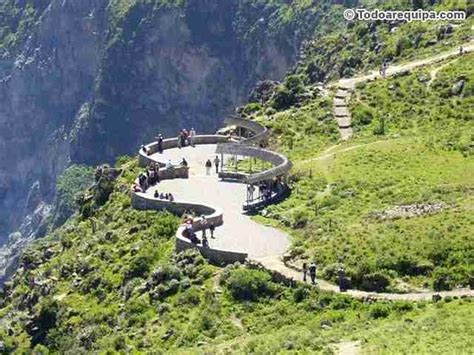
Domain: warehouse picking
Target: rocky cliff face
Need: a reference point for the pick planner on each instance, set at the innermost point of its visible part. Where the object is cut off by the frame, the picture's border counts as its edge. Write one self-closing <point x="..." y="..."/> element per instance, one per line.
<point x="86" y="81"/>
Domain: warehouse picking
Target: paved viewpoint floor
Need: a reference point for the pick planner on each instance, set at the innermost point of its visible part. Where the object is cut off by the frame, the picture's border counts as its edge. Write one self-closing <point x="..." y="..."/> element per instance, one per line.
<point x="239" y="232"/>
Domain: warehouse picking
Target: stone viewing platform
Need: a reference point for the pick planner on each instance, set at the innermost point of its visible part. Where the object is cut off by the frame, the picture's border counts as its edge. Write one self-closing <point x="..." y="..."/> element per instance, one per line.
<point x="222" y="202"/>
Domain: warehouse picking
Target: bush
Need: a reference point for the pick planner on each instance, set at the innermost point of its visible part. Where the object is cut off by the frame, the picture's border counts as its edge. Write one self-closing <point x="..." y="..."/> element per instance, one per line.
<point x="301" y="293"/>
<point x="442" y="280"/>
<point x="376" y="282"/>
<point x="379" y="310"/>
<point x="249" y="285"/>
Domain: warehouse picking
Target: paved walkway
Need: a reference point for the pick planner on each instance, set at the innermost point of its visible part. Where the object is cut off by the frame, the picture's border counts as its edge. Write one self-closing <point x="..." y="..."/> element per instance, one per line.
<point x="239" y="232"/>
<point x="345" y="87"/>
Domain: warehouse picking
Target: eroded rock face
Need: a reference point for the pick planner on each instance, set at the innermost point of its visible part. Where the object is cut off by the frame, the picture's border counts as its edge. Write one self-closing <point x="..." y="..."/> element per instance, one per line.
<point x="86" y="87"/>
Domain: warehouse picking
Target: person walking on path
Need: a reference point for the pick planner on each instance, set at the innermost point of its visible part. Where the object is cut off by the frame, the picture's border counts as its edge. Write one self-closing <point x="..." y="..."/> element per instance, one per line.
<point x="180" y="140"/>
<point x="192" y="134"/>
<point x="305" y="271"/>
<point x="216" y="163"/>
<point x="208" y="167"/>
<point x="341" y="275"/>
<point x="212" y="228"/>
<point x="312" y="273"/>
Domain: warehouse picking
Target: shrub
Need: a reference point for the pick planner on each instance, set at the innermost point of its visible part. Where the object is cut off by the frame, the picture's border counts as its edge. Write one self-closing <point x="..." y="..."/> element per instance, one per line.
<point x="245" y="284"/>
<point x="442" y="280"/>
<point x="379" y="310"/>
<point x="301" y="293"/>
<point x="376" y="281"/>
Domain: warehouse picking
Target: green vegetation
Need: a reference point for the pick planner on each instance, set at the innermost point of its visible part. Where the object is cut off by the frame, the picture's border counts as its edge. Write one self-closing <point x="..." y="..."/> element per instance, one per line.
<point x="412" y="146"/>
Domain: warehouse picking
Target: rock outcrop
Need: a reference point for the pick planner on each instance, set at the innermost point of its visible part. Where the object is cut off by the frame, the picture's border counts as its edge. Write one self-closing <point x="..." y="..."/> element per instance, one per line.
<point x="90" y="82"/>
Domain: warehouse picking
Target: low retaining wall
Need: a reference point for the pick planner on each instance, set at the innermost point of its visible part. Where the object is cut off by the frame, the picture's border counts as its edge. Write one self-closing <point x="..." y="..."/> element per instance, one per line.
<point x="140" y="201"/>
<point x="281" y="164"/>
<point x="260" y="132"/>
<point x="144" y="158"/>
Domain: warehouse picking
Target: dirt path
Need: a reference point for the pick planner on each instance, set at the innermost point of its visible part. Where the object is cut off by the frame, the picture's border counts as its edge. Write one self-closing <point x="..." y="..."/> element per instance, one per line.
<point x="345" y="87"/>
<point x="275" y="264"/>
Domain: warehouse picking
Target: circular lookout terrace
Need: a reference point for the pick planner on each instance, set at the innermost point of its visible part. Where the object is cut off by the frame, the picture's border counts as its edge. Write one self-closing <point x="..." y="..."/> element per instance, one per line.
<point x="219" y="199"/>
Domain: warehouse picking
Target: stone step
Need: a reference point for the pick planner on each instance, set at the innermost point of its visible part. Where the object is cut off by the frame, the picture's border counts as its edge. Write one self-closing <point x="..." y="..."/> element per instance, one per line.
<point x="342" y="94"/>
<point x="341" y="112"/>
<point x="339" y="102"/>
<point x="343" y="122"/>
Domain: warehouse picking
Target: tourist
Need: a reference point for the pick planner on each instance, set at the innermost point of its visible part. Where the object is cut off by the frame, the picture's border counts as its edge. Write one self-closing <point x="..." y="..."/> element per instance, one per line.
<point x="212" y="228"/>
<point x="205" y="242"/>
<point x="136" y="188"/>
<point x="169" y="164"/>
<point x="461" y="50"/>
<point x="250" y="191"/>
<point x="143" y="148"/>
<point x="312" y="272"/>
<point x="305" y="271"/>
<point x="203" y="225"/>
<point x="184" y="163"/>
<point x="180" y="140"/>
<point x="156" y="194"/>
<point x="184" y="137"/>
<point x="342" y="280"/>
<point x="192" y="134"/>
<point x="162" y="196"/>
<point x="208" y="167"/>
<point x="216" y="163"/>
<point x="171" y="197"/>
<point x="160" y="143"/>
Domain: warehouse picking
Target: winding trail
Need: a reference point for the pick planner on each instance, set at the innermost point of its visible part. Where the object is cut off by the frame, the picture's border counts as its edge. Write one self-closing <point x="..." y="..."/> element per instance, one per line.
<point x="345" y="87"/>
<point x="265" y="245"/>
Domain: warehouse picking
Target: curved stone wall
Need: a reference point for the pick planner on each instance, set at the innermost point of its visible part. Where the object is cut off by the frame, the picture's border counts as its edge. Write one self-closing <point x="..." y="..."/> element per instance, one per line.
<point x="141" y="201"/>
<point x="260" y="133"/>
<point x="281" y="164"/>
<point x="145" y="159"/>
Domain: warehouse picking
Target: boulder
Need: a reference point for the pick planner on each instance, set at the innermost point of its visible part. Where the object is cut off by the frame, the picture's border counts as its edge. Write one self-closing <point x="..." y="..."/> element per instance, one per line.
<point x="458" y="87"/>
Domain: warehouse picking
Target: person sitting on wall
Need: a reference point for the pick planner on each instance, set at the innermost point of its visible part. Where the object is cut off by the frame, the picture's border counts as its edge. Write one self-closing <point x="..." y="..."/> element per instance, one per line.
<point x="156" y="194"/>
<point x="171" y="197"/>
<point x="184" y="163"/>
<point x="144" y="150"/>
<point x="162" y="196"/>
<point x="136" y="188"/>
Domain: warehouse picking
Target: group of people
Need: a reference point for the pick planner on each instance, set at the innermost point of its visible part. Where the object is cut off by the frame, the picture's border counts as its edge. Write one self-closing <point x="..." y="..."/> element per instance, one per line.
<point x="186" y="137"/>
<point x="265" y="190"/>
<point x="208" y="165"/>
<point x="149" y="178"/>
<point x="343" y="281"/>
<point x="190" y="233"/>
<point x="164" y="196"/>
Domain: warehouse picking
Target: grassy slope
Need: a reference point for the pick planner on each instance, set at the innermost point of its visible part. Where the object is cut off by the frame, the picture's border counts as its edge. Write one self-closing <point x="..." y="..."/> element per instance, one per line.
<point x="101" y="290"/>
<point x="425" y="156"/>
